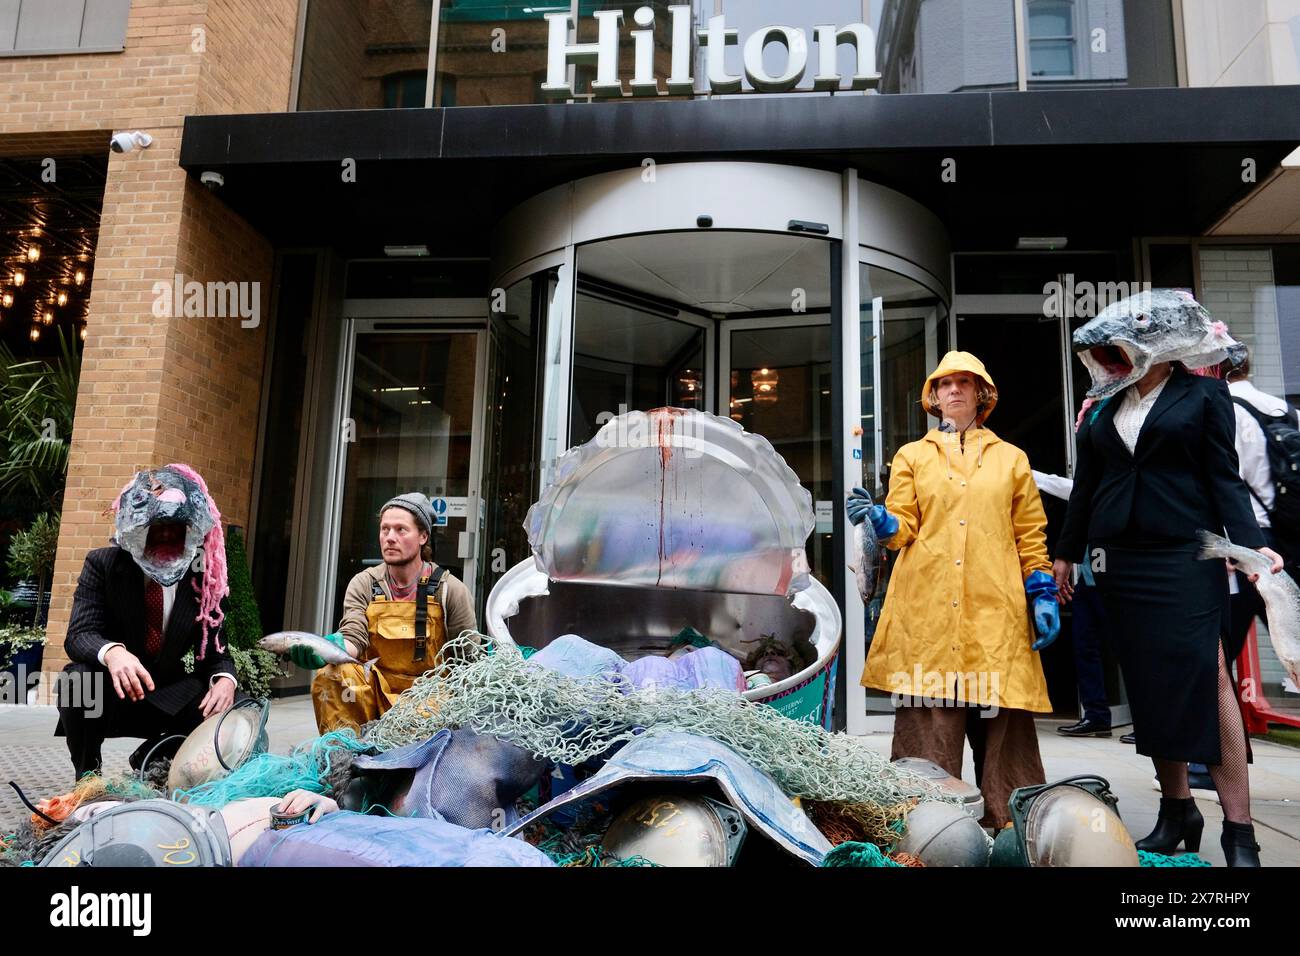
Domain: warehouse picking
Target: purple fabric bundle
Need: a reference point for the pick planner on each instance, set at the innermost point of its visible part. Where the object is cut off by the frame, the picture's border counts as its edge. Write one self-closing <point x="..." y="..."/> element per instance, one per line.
<point x="574" y="656"/>
<point x="706" y="667"/>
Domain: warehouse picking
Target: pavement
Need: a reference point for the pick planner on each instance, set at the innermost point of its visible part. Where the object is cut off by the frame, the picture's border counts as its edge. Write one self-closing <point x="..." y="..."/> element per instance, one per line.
<point x="38" y="761"/>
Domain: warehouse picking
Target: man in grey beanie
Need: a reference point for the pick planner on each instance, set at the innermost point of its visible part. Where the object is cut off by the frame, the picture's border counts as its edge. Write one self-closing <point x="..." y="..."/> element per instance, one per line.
<point x="396" y="617"/>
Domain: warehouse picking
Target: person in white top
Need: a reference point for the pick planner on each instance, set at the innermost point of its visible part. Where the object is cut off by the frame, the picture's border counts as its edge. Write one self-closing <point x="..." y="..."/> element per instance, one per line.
<point x="1252" y="446"/>
<point x="1252" y="459"/>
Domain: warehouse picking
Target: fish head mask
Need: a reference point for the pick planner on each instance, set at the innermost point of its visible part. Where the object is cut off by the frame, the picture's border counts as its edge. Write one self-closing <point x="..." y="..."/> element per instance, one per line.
<point x="1127" y="337"/>
<point x="162" y="519"/>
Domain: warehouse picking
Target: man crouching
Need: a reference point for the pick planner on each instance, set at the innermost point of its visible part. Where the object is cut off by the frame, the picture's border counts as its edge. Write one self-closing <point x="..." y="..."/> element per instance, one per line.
<point x="397" y="614"/>
<point x="140" y="605"/>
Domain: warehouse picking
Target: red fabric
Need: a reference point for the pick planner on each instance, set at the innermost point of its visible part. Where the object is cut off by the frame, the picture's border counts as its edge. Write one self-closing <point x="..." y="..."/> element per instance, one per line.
<point x="153" y="615"/>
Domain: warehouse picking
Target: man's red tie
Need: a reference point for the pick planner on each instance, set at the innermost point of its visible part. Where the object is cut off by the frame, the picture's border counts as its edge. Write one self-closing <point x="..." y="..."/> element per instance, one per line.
<point x="153" y="615"/>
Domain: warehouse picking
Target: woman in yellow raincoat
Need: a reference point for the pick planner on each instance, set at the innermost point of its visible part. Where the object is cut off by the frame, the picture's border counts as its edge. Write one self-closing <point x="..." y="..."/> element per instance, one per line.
<point x="954" y="645"/>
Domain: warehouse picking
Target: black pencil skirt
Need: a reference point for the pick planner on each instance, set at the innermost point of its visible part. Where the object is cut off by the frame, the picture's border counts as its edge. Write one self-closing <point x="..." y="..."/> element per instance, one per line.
<point x="1167" y="613"/>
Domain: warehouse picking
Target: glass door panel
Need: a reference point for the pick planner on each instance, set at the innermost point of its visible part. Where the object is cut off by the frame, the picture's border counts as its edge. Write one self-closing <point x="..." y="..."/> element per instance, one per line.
<point x="510" y="474"/>
<point x="780" y="386"/>
<point x="630" y="354"/>
<point x="409" y="428"/>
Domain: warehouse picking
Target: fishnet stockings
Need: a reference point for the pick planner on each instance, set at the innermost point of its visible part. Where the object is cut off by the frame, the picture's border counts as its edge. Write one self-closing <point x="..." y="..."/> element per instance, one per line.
<point x="1231" y="775"/>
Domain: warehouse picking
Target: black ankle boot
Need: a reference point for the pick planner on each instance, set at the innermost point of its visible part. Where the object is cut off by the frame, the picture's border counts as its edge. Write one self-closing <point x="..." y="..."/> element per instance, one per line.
<point x="1239" y="846"/>
<point x="1179" y="822"/>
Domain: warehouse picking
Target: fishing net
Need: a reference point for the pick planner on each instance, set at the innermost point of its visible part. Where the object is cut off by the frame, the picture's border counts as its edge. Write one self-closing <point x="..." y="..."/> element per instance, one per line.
<point x="579" y="843"/>
<point x="881" y="824"/>
<point x="1147" y="858"/>
<point x="858" y="855"/>
<point x="567" y="848"/>
<point x="34" y="837"/>
<point x="319" y="765"/>
<point x="569" y="720"/>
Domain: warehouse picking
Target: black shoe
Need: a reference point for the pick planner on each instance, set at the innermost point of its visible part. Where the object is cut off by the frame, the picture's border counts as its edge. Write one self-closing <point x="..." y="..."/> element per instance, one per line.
<point x="1179" y="822"/>
<point x="1239" y="846"/>
<point x="1129" y="738"/>
<point x="1085" y="728"/>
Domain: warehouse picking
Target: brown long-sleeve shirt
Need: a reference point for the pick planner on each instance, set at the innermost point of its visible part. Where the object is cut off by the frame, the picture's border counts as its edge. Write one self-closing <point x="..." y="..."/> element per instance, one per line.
<point x="451" y="593"/>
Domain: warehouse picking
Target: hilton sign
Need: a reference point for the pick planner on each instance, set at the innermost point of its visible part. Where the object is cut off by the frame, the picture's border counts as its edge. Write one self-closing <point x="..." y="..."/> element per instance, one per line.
<point x="715" y="39"/>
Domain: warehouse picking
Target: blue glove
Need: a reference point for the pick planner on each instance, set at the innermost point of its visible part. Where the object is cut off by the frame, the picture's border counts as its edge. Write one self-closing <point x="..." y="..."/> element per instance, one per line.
<point x="860" y="507"/>
<point x="1041" y="591"/>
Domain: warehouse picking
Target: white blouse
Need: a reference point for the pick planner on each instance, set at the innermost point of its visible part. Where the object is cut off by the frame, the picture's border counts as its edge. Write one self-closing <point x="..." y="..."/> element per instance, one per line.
<point x="1133" y="411"/>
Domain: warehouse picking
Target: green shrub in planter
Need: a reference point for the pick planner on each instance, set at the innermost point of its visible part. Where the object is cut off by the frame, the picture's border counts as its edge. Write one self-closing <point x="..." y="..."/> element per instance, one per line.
<point x="15" y="638"/>
<point x="21" y="650"/>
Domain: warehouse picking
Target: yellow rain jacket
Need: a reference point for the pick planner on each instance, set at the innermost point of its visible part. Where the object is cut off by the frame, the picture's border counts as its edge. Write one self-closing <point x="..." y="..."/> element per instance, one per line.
<point x="955" y="623"/>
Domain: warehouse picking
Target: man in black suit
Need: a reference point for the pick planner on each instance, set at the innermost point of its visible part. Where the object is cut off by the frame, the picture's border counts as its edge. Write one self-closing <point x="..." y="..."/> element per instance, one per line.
<point x="140" y="605"/>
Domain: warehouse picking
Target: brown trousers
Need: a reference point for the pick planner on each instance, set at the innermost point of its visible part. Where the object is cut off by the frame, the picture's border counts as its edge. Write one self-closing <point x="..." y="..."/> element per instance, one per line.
<point x="1005" y="749"/>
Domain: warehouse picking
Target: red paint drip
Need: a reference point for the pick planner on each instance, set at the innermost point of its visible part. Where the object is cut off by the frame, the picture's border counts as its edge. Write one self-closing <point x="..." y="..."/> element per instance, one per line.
<point x="665" y="423"/>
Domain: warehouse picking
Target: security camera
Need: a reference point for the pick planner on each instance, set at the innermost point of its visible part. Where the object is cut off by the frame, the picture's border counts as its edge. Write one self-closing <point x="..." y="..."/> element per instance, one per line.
<point x="213" y="181"/>
<point x="125" y="142"/>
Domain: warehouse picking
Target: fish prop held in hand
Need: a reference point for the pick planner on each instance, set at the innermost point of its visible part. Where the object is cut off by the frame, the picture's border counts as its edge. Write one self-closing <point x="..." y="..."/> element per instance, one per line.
<point x="870" y="565"/>
<point x="281" y="641"/>
<point x="1280" y="594"/>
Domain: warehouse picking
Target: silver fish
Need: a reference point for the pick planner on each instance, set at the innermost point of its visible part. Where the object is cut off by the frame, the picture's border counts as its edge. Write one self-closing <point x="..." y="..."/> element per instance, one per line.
<point x="869" y="566"/>
<point x="1280" y="594"/>
<point x="281" y="641"/>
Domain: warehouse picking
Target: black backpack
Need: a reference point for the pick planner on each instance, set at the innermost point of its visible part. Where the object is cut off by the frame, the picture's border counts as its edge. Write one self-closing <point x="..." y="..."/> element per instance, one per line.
<point x="1282" y="437"/>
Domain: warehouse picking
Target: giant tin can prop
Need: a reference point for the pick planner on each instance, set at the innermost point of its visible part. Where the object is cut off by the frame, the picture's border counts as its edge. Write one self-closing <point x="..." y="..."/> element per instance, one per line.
<point x="669" y="519"/>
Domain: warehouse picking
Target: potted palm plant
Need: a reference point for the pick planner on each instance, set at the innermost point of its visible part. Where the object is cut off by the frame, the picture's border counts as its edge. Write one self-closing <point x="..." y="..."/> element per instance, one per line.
<point x="31" y="558"/>
<point x="37" y="402"/>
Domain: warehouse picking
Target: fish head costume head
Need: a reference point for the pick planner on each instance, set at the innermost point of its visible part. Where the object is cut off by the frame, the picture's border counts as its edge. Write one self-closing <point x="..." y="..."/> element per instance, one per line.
<point x="1128" y="337"/>
<point x="162" y="519"/>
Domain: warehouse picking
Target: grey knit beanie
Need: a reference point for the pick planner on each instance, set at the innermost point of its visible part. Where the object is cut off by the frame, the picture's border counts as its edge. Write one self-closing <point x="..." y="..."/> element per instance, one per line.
<point x="418" y="505"/>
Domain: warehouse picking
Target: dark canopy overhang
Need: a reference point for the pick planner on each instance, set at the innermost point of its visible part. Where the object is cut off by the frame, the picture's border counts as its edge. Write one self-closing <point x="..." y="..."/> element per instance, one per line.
<point x="1096" y="166"/>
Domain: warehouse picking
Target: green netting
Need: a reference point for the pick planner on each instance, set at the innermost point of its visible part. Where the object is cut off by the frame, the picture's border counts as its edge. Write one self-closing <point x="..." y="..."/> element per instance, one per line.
<point x="570" y="720"/>
<point x="857" y="855"/>
<point x="310" y="766"/>
<point x="1159" y="859"/>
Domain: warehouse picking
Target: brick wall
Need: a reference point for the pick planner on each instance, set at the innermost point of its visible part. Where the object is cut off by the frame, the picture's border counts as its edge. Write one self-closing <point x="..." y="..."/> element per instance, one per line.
<point x="156" y="389"/>
<point x="1237" y="288"/>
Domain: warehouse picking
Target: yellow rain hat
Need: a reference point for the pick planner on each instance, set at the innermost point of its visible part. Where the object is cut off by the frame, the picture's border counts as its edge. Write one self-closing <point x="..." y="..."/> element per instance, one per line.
<point x="959" y="362"/>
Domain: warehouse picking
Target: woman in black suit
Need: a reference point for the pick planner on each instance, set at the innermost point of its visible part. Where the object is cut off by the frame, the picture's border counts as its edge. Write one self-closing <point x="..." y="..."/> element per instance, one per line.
<point x="1156" y="463"/>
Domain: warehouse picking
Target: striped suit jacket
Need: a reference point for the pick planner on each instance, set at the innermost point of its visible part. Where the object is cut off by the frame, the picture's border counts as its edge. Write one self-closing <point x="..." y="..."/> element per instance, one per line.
<point x="108" y="607"/>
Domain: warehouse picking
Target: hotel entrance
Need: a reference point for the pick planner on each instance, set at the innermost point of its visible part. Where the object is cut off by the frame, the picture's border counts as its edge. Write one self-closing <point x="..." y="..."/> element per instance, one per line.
<point x="733" y="323"/>
<point x="716" y="286"/>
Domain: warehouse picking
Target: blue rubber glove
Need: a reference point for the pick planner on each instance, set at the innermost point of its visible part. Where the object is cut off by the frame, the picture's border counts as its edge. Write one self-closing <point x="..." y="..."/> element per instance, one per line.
<point x="1041" y="591"/>
<point x="304" y="656"/>
<point x="860" y="507"/>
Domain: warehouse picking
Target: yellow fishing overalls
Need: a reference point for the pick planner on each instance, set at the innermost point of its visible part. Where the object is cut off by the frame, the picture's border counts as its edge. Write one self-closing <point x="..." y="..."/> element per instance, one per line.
<point x="405" y="638"/>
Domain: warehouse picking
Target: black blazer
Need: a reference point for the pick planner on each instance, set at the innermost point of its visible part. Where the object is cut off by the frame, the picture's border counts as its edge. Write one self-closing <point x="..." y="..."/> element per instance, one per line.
<point x="108" y="607"/>
<point x="1181" y="477"/>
